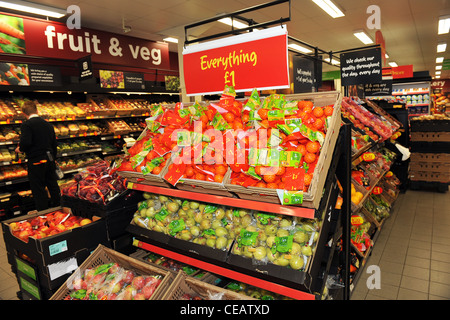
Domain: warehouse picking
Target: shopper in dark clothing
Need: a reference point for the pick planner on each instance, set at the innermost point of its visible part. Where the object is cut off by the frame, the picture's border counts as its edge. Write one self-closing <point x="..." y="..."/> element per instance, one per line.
<point x="36" y="140"/>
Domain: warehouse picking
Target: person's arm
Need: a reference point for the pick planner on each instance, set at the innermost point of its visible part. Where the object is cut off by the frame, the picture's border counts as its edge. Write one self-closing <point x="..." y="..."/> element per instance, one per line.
<point x="26" y="140"/>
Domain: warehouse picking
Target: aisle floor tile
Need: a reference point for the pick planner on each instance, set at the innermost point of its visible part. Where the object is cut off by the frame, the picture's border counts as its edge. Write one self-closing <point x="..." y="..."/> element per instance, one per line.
<point x="412" y="250"/>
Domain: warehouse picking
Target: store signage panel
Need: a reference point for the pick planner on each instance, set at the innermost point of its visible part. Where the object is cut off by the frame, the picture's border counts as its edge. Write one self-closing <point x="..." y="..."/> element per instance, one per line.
<point x="21" y="74"/>
<point x="121" y="80"/>
<point x="51" y="39"/>
<point x="304" y="77"/>
<point x="85" y="68"/>
<point x="402" y="72"/>
<point x="257" y="59"/>
<point x="361" y="67"/>
<point x="384" y="88"/>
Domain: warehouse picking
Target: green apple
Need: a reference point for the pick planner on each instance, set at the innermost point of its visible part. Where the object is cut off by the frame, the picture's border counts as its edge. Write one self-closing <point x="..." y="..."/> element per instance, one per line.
<point x="195" y="231"/>
<point x="282" y="233"/>
<point x="281" y="261"/>
<point x="220" y="214"/>
<point x="270" y="229"/>
<point x="221" y="232"/>
<point x="285" y="223"/>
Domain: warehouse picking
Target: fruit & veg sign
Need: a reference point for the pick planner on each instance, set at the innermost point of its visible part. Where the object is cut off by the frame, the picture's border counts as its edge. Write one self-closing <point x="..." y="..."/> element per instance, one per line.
<point x="257" y="59"/>
<point x="41" y="38"/>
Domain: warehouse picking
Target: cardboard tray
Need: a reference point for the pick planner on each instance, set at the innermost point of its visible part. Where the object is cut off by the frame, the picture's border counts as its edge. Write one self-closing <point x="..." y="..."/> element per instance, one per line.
<point x="58" y="247"/>
<point x="208" y="187"/>
<point x="106" y="112"/>
<point x="430" y="167"/>
<point x="183" y="284"/>
<point x="430" y="136"/>
<point x="429" y="176"/>
<point x="430" y="157"/>
<point x="312" y="197"/>
<point x="103" y="255"/>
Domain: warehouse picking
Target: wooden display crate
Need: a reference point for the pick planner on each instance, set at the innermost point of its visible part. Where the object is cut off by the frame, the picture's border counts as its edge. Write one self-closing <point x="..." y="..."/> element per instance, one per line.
<point x="312" y="197"/>
<point x="184" y="285"/>
<point x="105" y="112"/>
<point x="103" y="255"/>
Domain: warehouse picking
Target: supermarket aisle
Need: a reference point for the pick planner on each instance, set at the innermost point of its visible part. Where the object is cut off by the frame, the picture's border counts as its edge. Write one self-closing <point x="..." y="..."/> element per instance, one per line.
<point x="412" y="251"/>
<point x="8" y="281"/>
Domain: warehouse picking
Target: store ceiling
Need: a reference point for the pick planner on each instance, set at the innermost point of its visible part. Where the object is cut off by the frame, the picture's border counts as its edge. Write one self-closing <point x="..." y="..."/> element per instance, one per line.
<point x="408" y="26"/>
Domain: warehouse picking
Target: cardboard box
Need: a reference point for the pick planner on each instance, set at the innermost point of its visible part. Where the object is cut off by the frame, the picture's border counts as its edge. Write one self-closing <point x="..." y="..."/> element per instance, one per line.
<point x="430" y="157"/>
<point x="429" y="176"/>
<point x="430" y="136"/>
<point x="312" y="197"/>
<point x="102" y="255"/>
<point x="430" y="167"/>
<point x="55" y="248"/>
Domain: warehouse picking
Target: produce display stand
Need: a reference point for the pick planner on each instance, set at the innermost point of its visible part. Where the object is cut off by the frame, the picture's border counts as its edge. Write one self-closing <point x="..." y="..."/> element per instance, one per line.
<point x="301" y="288"/>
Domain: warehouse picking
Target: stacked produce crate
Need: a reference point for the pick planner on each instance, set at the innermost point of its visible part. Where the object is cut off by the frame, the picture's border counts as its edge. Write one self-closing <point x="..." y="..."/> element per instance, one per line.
<point x="430" y="158"/>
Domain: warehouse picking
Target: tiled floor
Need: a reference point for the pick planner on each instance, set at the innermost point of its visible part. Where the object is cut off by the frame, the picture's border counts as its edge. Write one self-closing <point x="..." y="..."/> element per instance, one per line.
<point x="412" y="252"/>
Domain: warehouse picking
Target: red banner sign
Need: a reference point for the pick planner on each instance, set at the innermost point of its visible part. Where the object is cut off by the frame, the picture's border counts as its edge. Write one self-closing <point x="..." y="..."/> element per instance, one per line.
<point x="50" y="39"/>
<point x="257" y="59"/>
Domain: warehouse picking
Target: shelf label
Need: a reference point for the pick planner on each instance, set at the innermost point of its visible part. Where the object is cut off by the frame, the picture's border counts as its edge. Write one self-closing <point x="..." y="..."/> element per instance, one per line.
<point x="57" y="248"/>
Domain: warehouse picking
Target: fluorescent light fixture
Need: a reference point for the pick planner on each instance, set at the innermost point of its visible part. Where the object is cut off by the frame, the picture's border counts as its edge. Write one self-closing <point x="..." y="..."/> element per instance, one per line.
<point x="333" y="61"/>
<point x="438" y="67"/>
<point x="440" y="60"/>
<point x="444" y="25"/>
<point x="329" y="7"/>
<point x="393" y="64"/>
<point x="438" y="73"/>
<point x="33" y="8"/>
<point x="386" y="56"/>
<point x="363" y="37"/>
<point x="437" y="77"/>
<point x="171" y="39"/>
<point x="298" y="48"/>
<point x="441" y="47"/>
<point x="235" y="23"/>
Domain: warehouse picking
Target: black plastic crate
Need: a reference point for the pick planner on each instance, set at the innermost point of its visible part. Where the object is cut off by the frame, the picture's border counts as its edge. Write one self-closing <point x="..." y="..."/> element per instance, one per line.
<point x="430" y="147"/>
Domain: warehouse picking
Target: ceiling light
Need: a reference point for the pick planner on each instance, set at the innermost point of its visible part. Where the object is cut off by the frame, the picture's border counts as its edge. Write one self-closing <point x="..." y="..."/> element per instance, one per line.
<point x="171" y="39"/>
<point x="437" y="77"/>
<point x="298" y="48"/>
<point x="444" y="25"/>
<point x="363" y="37"/>
<point x="234" y="23"/>
<point x="393" y="64"/>
<point x="438" y="73"/>
<point x="441" y="47"/>
<point x="438" y="67"/>
<point x="33" y="8"/>
<point x="332" y="61"/>
<point x="386" y="56"/>
<point x="440" y="60"/>
<point x="329" y="7"/>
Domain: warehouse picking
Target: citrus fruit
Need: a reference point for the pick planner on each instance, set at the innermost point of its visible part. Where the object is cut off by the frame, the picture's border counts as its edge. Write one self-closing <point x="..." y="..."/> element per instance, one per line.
<point x="318" y="124"/>
<point x="221" y="169"/>
<point x="313" y="146"/>
<point x="269" y="178"/>
<point x="199" y="176"/>
<point x="301" y="148"/>
<point x="263" y="113"/>
<point x="260" y="184"/>
<point x="309" y="157"/>
<point x="229" y="117"/>
<point x="281" y="171"/>
<point x="307" y="179"/>
<point x="272" y="185"/>
<point x="156" y="170"/>
<point x="318" y="112"/>
<point x="328" y="111"/>
<point x="218" y="178"/>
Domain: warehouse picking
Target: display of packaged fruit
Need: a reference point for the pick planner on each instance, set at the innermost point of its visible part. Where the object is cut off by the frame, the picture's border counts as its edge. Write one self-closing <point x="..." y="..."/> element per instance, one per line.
<point x="111" y="281"/>
<point x="12" y="172"/>
<point x="365" y="120"/>
<point x="97" y="183"/>
<point x="281" y="240"/>
<point x="254" y="292"/>
<point x="201" y="223"/>
<point x="47" y="225"/>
